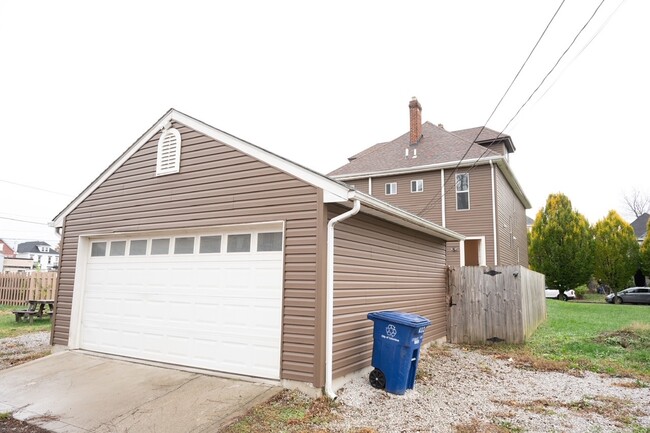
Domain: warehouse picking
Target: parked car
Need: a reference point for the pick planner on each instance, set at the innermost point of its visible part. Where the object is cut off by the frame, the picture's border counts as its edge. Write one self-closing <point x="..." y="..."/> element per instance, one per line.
<point x="631" y="295"/>
<point x="555" y="294"/>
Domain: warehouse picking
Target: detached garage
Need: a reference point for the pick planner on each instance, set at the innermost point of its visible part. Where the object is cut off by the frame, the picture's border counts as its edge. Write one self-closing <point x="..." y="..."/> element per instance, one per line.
<point x="198" y="249"/>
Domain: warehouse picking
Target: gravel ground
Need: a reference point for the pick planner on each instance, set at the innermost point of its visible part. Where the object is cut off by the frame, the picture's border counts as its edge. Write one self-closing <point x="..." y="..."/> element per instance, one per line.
<point x="462" y="391"/>
<point x="16" y="350"/>
<point x="465" y="391"/>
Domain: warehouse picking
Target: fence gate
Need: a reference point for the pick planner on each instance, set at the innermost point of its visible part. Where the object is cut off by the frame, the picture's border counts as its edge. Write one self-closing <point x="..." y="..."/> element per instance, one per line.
<point x="505" y="303"/>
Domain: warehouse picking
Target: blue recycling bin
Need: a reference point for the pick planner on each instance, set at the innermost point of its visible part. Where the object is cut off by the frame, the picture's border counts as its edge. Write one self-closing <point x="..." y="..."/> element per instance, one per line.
<point x="396" y="349"/>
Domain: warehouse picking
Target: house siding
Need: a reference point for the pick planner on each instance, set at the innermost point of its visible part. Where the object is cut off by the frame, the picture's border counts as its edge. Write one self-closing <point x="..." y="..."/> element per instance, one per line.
<point x="478" y="220"/>
<point x="360" y="185"/>
<point x="216" y="186"/>
<point x="378" y="266"/>
<point x="511" y="225"/>
<point x="426" y="204"/>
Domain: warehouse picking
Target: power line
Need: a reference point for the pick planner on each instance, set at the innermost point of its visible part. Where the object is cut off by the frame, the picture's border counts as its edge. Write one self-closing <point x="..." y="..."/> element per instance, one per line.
<point x="555" y="65"/>
<point x="35" y="188"/>
<point x="437" y="197"/>
<point x="22" y="221"/>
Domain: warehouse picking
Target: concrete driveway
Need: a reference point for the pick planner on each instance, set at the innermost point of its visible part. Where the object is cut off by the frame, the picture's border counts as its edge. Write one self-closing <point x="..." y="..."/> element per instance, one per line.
<point x="75" y="392"/>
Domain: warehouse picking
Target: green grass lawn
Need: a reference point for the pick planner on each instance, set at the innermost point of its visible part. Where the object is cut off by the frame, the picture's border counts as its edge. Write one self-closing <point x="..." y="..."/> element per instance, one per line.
<point x="613" y="339"/>
<point x="10" y="328"/>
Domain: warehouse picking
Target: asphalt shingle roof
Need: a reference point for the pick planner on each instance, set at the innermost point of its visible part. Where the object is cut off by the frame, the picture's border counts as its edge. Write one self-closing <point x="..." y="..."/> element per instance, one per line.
<point x="436" y="146"/>
<point x="32" y="247"/>
<point x="640" y="225"/>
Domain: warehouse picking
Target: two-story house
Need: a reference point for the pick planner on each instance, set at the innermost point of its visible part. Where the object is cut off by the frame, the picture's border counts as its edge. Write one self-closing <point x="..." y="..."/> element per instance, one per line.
<point x="461" y="180"/>
<point x="44" y="256"/>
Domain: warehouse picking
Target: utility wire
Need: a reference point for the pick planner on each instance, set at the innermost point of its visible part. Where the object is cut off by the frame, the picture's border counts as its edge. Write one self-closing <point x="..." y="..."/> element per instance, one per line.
<point x="435" y="199"/>
<point x="35" y="188"/>
<point x="22" y="221"/>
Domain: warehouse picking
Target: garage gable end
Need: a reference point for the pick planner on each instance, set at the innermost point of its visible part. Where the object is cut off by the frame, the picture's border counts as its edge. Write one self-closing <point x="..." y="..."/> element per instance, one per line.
<point x="166" y="127"/>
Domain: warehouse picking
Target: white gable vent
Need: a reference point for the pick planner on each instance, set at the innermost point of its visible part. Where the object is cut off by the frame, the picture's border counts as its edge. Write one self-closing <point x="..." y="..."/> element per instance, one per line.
<point x="169" y="151"/>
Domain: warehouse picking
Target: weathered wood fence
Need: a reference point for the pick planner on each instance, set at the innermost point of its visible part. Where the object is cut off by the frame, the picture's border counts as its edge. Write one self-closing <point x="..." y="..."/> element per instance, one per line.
<point x="18" y="288"/>
<point x="504" y="303"/>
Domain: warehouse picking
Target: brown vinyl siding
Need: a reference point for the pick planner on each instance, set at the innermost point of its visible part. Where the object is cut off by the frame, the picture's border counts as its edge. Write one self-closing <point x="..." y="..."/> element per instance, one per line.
<point x="511" y="223"/>
<point x="414" y="202"/>
<point x="379" y="266"/>
<point x="216" y="186"/>
<point x="360" y="185"/>
<point x="477" y="221"/>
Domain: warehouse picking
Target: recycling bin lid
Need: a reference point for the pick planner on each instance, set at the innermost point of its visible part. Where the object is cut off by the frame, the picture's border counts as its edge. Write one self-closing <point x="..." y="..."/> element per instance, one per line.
<point x="407" y="319"/>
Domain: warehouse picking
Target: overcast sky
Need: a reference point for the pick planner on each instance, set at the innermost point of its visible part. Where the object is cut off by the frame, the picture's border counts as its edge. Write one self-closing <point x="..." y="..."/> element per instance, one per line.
<point x="317" y="82"/>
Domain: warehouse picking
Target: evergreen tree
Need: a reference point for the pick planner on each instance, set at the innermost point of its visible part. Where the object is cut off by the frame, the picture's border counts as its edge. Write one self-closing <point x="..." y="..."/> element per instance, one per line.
<point x="616" y="251"/>
<point x="561" y="244"/>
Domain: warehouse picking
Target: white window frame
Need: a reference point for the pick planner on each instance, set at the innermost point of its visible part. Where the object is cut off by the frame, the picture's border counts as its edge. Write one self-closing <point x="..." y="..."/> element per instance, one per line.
<point x="164" y="164"/>
<point x="463" y="191"/>
<point x="390" y="188"/>
<point x="417" y="185"/>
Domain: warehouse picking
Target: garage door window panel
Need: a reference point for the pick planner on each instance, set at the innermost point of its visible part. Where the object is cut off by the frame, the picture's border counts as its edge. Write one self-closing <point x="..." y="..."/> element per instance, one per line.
<point x="239" y="243"/>
<point x="159" y="246"/>
<point x="118" y="248"/>
<point x="269" y="241"/>
<point x="184" y="245"/>
<point x="210" y="244"/>
<point x="98" y="249"/>
<point x="138" y="247"/>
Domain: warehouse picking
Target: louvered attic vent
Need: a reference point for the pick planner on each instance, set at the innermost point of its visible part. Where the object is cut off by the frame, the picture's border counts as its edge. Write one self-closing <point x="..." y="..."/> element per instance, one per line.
<point x="169" y="152"/>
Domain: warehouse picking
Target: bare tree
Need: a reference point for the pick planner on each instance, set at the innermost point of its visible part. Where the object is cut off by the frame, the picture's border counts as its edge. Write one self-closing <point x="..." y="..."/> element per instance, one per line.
<point x="637" y="202"/>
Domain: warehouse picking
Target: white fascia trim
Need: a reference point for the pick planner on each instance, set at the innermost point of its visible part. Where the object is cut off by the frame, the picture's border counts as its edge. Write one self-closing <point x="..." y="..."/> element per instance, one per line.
<point x="406" y="219"/>
<point x="58" y="220"/>
<point x="418" y="169"/>
<point x="334" y="190"/>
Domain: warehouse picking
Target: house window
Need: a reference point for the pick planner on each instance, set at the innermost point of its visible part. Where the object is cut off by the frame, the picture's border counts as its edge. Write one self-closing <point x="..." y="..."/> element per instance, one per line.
<point x="239" y="243"/>
<point x="417" y="185"/>
<point x="98" y="249"/>
<point x="269" y="241"/>
<point x="118" y="248"/>
<point x="462" y="191"/>
<point x="169" y="152"/>
<point x="138" y="247"/>
<point x="391" y="188"/>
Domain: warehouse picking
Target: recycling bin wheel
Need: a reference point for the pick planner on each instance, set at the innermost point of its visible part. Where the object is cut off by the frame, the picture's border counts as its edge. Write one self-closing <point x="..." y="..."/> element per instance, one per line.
<point x="377" y="379"/>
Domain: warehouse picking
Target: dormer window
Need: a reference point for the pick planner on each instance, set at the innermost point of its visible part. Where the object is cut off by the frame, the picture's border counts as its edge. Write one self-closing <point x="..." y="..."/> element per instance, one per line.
<point x="169" y="151"/>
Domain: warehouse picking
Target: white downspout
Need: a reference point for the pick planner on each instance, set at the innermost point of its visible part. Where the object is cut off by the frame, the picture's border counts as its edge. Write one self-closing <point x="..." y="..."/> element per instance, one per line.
<point x="329" y="316"/>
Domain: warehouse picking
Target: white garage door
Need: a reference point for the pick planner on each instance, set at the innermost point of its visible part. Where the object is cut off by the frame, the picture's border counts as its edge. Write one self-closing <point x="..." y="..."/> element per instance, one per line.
<point x="210" y="300"/>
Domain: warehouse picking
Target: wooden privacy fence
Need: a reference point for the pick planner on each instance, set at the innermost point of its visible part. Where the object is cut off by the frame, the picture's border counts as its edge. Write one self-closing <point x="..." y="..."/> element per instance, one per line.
<point x="504" y="303"/>
<point x="18" y="288"/>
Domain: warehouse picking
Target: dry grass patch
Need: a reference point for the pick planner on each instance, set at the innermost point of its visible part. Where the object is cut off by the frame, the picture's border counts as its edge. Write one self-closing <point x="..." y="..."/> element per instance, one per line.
<point x="618" y="410"/>
<point x="476" y="426"/>
<point x="290" y="412"/>
<point x="635" y="384"/>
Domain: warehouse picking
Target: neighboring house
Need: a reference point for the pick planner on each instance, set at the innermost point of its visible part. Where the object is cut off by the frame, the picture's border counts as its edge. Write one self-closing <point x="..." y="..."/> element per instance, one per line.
<point x="6" y="250"/>
<point x="199" y="249"/>
<point x="16" y="264"/>
<point x="529" y="224"/>
<point x="460" y="180"/>
<point x="640" y="226"/>
<point x="44" y="256"/>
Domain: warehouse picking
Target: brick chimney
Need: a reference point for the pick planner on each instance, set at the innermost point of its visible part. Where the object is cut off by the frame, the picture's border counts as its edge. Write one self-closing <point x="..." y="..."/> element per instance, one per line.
<point x="415" y="110"/>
